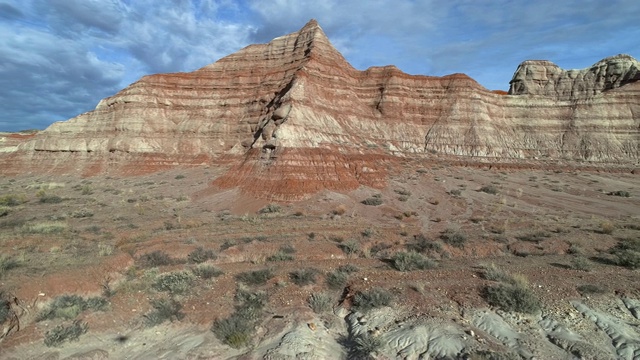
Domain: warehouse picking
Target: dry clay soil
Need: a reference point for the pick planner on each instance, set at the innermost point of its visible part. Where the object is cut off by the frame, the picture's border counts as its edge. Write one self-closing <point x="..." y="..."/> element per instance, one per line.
<point x="537" y="224"/>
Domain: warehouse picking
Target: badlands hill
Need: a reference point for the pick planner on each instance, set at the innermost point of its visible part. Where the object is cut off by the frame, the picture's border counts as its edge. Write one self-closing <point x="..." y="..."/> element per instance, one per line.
<point x="293" y="117"/>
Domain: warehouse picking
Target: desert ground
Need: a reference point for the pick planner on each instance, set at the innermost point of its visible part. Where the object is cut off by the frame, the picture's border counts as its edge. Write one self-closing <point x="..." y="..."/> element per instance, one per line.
<point x="445" y="262"/>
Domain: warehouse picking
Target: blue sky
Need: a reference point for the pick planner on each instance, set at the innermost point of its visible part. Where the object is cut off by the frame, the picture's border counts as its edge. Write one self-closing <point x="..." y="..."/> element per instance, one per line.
<point x="58" y="58"/>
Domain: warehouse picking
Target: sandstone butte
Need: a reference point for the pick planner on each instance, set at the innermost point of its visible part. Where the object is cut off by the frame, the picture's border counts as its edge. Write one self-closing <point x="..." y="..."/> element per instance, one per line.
<point x="292" y="117"/>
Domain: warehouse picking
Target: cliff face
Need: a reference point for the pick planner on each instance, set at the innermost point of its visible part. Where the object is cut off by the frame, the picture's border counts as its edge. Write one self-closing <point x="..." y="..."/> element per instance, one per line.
<point x="292" y="117"/>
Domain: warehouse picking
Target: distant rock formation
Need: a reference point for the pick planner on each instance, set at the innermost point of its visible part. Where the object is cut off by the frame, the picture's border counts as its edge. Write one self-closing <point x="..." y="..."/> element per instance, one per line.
<point x="292" y="117"/>
<point x="541" y="77"/>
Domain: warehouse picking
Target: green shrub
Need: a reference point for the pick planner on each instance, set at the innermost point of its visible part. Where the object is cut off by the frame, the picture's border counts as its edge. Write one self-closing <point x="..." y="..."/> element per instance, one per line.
<point x="408" y="261"/>
<point x="372" y="201"/>
<point x="70" y="306"/>
<point x="164" y="309"/>
<point x="50" y="199"/>
<point x="4" y="210"/>
<point x="61" y="333"/>
<point x="371" y="299"/>
<point x="154" y="259"/>
<point x="348" y="268"/>
<point x="422" y="244"/>
<point x="620" y="193"/>
<point x="52" y="227"/>
<point x="364" y="345"/>
<point x="200" y="255"/>
<point x="5" y="306"/>
<point x="206" y="271"/>
<point x="535" y="236"/>
<point x="176" y="282"/>
<point x="304" y="277"/>
<point x="257" y="277"/>
<point x="581" y="263"/>
<point x="82" y="213"/>
<point x="454" y="238"/>
<point x="280" y="256"/>
<point x="350" y="247"/>
<point x="320" y="302"/>
<point x="287" y="249"/>
<point x="7" y="263"/>
<point x="179" y="176"/>
<point x="238" y="329"/>
<point x="512" y="297"/>
<point x="494" y="273"/>
<point x="270" y="209"/>
<point x="336" y="280"/>
<point x="11" y="200"/>
<point x="627" y="253"/>
<point x="489" y="189"/>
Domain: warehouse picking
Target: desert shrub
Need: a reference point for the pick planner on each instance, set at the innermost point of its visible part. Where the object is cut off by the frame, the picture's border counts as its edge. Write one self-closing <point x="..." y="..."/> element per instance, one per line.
<point x="372" y="201"/>
<point x="257" y="277"/>
<point x="61" y="333"/>
<point x="581" y="263"/>
<point x="408" y="261"/>
<point x="455" y="192"/>
<point x="4" y="210"/>
<point x="206" y="271"/>
<point x="489" y="189"/>
<point x="590" y="289"/>
<point x="350" y="247"/>
<point x="200" y="255"/>
<point x="11" y="200"/>
<point x="422" y="244"/>
<point x="227" y="244"/>
<point x="7" y="263"/>
<point x="179" y="176"/>
<point x="287" y="249"/>
<point x="304" y="277"/>
<point x="455" y="238"/>
<point x="403" y="198"/>
<point x="367" y="233"/>
<point x="50" y="199"/>
<point x="627" y="253"/>
<point x="512" y="297"/>
<point x="52" y="227"/>
<point x="270" y="209"/>
<point x="82" y="213"/>
<point x="339" y="210"/>
<point x="238" y="329"/>
<point x="154" y="259"/>
<point x="607" y="227"/>
<point x="348" y="268"/>
<point x="69" y="306"/>
<point x="620" y="193"/>
<point x="320" y="302"/>
<point x="336" y="279"/>
<point x="494" y="273"/>
<point x="402" y="192"/>
<point x="371" y="299"/>
<point x="175" y="282"/>
<point x="364" y="345"/>
<point x="164" y="309"/>
<point x="280" y="256"/>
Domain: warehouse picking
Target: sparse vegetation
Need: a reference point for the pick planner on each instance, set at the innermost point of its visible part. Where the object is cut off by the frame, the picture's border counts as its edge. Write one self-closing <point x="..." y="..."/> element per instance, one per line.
<point x="620" y="193"/>
<point x="154" y="259"/>
<point x="200" y="255"/>
<point x="607" y="227"/>
<point x="627" y="253"/>
<point x="270" y="209"/>
<point x="364" y="345"/>
<point x="237" y="330"/>
<point x="61" y="333"/>
<point x="51" y="227"/>
<point x="4" y="210"/>
<point x="422" y="244"/>
<point x="7" y="263"/>
<point x="375" y="200"/>
<point x="336" y="279"/>
<point x="348" y="268"/>
<point x="408" y="261"/>
<point x="489" y="189"/>
<point x="11" y="200"/>
<point x="206" y="271"/>
<point x="590" y="289"/>
<point x="320" y="302"/>
<point x="350" y="247"/>
<point x="535" y="236"/>
<point x="50" y="199"/>
<point x="164" y="309"/>
<point x="257" y="277"/>
<point x="371" y="299"/>
<point x="512" y="295"/>
<point x="70" y="306"/>
<point x="175" y="282"/>
<point x="453" y="237"/>
<point x="280" y="256"/>
<point x="304" y="277"/>
<point x="581" y="263"/>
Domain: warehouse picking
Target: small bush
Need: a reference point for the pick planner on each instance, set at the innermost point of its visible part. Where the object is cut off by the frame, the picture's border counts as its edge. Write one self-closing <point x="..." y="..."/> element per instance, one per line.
<point x="4" y="210"/>
<point x="11" y="200"/>
<point x="52" y="227"/>
<point x="304" y="277"/>
<point x="50" y="199"/>
<point x="372" y="201"/>
<point x="454" y="238"/>
<point x="206" y="271"/>
<point x="535" y="236"/>
<point x="280" y="256"/>
<point x="270" y="209"/>
<point x="320" y="302"/>
<point x="408" y="261"/>
<point x="455" y="192"/>
<point x="374" y="298"/>
<point x="61" y="333"/>
<point x="336" y="280"/>
<point x="176" y="282"/>
<point x="620" y="193"/>
<point x="82" y="213"/>
<point x="257" y="277"/>
<point x="489" y="189"/>
<point x="179" y="176"/>
<point x="512" y="297"/>
<point x="627" y="253"/>
<point x="70" y="306"/>
<point x="607" y="227"/>
<point x="581" y="263"/>
<point x="200" y="255"/>
<point x="238" y="329"/>
<point x="155" y="258"/>
<point x="287" y="249"/>
<point x="350" y="247"/>
<point x="7" y="263"/>
<point x="348" y="269"/>
<point x="494" y="273"/>
<point x="422" y="244"/>
<point x="364" y="345"/>
<point x="402" y="192"/>
<point x="164" y="309"/>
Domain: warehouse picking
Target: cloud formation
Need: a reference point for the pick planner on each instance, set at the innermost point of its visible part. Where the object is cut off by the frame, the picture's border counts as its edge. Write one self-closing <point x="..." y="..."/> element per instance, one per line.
<point x="58" y="58"/>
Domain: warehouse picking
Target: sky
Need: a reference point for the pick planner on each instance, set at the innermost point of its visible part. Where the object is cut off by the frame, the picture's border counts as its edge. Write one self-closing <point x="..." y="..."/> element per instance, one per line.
<point x="59" y="58"/>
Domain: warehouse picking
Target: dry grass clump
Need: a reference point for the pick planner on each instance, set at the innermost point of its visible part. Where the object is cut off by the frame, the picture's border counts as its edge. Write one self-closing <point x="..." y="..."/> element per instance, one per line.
<point x="408" y="261"/>
<point x="511" y="294"/>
